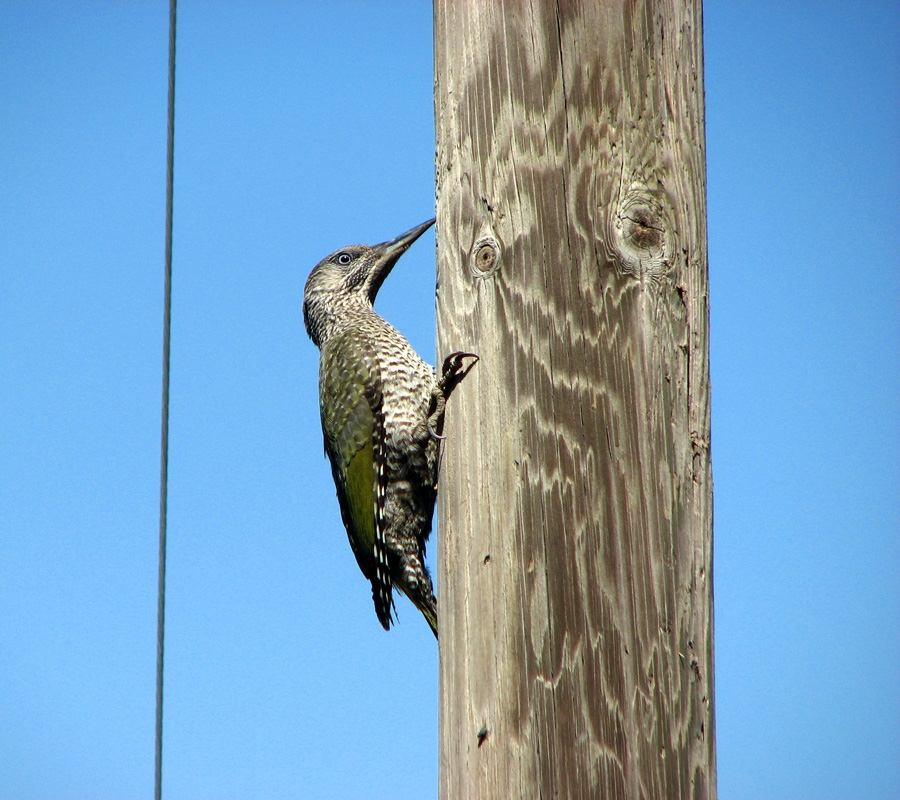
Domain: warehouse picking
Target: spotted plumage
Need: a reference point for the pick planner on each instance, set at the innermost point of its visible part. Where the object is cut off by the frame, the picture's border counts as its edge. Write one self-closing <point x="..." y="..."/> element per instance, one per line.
<point x="382" y="411"/>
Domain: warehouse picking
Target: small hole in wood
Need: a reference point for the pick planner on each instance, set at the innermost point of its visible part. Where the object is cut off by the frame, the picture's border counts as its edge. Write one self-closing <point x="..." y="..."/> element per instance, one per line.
<point x="485" y="257"/>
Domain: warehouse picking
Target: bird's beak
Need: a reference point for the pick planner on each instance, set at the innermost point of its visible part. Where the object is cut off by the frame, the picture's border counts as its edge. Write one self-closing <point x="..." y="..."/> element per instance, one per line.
<point x="388" y="253"/>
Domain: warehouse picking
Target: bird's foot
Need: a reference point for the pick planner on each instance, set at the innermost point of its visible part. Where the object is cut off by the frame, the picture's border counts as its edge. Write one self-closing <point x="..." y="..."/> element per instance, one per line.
<point x="456" y="367"/>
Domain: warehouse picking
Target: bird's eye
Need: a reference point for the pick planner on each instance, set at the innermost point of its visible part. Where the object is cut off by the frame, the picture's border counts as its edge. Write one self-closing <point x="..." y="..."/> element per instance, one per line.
<point x="344" y="259"/>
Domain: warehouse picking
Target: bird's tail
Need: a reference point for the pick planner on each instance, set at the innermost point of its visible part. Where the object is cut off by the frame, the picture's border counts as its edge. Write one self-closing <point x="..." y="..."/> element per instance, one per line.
<point x="427" y="604"/>
<point x="429" y="611"/>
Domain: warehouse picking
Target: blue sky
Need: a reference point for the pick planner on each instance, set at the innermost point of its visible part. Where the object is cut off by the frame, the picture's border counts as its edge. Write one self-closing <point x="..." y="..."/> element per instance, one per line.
<point x="304" y="127"/>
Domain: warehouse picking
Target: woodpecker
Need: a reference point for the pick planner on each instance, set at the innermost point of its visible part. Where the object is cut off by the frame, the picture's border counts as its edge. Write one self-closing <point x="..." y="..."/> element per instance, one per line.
<point x="382" y="410"/>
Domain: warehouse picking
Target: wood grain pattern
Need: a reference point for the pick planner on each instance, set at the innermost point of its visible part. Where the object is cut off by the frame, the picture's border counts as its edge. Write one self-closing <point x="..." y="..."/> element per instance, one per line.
<point x="575" y="512"/>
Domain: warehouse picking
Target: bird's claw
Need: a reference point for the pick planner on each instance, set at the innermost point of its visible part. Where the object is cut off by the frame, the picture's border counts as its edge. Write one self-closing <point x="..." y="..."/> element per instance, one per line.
<point x="454" y="370"/>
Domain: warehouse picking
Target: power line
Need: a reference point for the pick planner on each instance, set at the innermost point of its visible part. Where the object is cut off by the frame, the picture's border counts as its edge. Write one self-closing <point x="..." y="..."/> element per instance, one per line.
<point x="164" y="443"/>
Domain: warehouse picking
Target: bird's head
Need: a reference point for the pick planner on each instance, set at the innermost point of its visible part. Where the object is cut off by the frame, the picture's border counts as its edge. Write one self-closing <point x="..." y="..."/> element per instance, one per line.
<point x="349" y="279"/>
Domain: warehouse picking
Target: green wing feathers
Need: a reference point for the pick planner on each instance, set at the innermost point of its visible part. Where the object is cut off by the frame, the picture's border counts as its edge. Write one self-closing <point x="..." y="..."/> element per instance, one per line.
<point x="357" y="497"/>
<point x="350" y="395"/>
<point x="347" y="399"/>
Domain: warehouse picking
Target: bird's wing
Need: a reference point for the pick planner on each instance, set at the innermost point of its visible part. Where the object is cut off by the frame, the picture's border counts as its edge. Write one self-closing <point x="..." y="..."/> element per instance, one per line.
<point x="350" y="395"/>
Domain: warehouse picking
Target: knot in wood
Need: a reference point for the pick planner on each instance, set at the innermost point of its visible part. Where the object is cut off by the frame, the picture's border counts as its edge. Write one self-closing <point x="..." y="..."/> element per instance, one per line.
<point x="485" y="257"/>
<point x="640" y="233"/>
<point x="641" y="230"/>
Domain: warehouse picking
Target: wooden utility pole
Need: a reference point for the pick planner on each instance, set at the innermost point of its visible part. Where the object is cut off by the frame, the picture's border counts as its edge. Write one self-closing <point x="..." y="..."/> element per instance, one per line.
<point x="575" y="529"/>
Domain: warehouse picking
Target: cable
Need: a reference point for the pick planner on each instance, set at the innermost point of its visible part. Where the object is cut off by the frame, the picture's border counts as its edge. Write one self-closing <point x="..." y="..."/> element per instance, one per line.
<point x="164" y="443"/>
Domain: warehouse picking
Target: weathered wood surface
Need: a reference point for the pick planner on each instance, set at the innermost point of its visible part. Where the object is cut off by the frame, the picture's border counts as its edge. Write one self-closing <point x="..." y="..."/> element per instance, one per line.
<point x="575" y="529"/>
